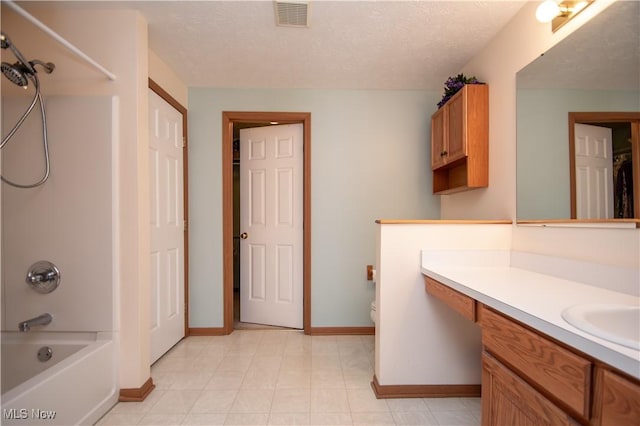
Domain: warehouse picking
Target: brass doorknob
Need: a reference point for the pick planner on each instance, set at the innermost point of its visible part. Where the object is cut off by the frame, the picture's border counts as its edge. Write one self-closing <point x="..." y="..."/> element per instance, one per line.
<point x="244" y="235"/>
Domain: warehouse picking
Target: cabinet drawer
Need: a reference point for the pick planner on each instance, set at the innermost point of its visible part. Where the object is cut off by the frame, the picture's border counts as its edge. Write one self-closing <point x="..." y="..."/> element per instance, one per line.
<point x="464" y="305"/>
<point x="545" y="364"/>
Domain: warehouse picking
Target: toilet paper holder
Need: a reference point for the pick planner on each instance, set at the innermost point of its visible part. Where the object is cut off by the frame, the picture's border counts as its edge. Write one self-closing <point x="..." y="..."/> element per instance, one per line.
<point x="371" y="273"/>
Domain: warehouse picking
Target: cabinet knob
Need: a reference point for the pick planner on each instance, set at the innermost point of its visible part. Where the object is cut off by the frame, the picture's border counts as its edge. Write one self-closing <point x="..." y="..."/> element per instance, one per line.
<point x="443" y="153"/>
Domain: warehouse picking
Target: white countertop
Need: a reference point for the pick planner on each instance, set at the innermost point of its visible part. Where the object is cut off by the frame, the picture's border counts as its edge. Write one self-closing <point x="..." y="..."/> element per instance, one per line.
<point x="537" y="300"/>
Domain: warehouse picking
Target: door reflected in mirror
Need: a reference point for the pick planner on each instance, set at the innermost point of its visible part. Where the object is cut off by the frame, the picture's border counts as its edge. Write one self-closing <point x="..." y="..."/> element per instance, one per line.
<point x="602" y="160"/>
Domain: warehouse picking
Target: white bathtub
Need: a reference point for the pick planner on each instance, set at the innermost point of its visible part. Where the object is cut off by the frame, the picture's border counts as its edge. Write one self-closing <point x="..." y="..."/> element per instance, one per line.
<point x="76" y="386"/>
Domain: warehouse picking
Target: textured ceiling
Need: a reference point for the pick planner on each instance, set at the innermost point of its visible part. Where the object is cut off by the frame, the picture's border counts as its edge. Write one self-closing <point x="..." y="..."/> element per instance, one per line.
<point x="603" y="54"/>
<point x="348" y="44"/>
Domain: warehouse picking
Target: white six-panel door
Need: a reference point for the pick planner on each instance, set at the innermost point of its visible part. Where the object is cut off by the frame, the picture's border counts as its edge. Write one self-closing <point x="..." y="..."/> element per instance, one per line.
<point x="594" y="172"/>
<point x="167" y="225"/>
<point x="271" y="213"/>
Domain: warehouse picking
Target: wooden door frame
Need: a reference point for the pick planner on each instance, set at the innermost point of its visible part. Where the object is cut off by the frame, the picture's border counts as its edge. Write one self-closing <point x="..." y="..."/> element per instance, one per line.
<point x="228" y="119"/>
<point x="606" y="117"/>
<point x="155" y="87"/>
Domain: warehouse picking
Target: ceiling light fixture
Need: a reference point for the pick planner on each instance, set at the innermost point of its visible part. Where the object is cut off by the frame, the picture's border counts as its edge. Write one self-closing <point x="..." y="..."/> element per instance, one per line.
<point x="547" y="10"/>
<point x="559" y="12"/>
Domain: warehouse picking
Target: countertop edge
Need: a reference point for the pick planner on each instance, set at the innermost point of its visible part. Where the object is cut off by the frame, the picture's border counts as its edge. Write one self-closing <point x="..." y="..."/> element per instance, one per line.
<point x="442" y="222"/>
<point x="587" y="345"/>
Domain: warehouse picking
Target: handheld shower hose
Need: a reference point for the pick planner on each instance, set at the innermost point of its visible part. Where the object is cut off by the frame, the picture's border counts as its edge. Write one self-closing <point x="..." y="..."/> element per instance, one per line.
<point x="20" y="73"/>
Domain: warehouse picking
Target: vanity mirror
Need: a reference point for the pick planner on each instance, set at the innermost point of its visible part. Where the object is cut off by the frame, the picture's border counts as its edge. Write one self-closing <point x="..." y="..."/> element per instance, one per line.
<point x="592" y="77"/>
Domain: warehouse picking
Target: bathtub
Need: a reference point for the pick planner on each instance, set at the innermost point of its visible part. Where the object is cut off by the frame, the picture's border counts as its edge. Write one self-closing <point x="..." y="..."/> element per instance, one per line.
<point x="77" y="385"/>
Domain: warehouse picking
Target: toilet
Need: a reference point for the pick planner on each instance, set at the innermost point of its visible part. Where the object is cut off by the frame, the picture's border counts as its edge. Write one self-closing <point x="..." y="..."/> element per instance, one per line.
<point x="374" y="313"/>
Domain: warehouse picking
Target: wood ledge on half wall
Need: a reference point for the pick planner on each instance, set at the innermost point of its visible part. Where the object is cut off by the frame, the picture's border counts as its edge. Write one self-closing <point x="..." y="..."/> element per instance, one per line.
<point x="442" y="222"/>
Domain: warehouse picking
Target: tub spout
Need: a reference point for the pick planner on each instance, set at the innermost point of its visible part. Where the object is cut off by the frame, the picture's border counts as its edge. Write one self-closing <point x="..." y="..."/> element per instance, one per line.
<point x="43" y="319"/>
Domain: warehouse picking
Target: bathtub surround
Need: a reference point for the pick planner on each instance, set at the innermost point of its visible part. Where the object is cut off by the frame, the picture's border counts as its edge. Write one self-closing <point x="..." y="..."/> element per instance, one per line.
<point x="50" y="223"/>
<point x="108" y="261"/>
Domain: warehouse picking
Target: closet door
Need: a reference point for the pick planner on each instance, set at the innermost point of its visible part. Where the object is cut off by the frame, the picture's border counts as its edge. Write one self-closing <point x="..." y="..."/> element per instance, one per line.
<point x="167" y="225"/>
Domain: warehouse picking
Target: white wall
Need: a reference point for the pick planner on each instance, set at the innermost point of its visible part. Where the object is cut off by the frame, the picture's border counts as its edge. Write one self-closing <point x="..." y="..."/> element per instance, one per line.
<point x="370" y="156"/>
<point x="117" y="40"/>
<point x="419" y="340"/>
<point x="160" y="72"/>
<point x="520" y="42"/>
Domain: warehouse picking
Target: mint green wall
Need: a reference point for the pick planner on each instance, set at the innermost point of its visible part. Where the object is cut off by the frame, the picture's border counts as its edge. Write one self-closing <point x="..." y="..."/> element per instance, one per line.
<point x="370" y="160"/>
<point x="543" y="189"/>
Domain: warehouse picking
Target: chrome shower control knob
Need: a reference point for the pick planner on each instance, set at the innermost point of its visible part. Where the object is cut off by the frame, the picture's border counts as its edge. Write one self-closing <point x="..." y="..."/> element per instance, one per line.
<point x="43" y="277"/>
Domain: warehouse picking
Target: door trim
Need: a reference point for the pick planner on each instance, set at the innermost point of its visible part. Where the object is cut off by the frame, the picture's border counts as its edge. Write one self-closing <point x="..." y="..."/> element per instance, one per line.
<point x="606" y="117"/>
<point x="228" y="118"/>
<point x="155" y="87"/>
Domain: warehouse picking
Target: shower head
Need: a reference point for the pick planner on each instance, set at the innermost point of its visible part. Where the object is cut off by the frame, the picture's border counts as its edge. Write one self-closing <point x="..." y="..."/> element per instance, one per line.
<point x="16" y="73"/>
<point x="5" y="42"/>
<point x="20" y="72"/>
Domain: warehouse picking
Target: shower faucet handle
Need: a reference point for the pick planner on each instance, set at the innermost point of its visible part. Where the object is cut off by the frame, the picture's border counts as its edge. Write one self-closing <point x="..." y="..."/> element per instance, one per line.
<point x="43" y="277"/>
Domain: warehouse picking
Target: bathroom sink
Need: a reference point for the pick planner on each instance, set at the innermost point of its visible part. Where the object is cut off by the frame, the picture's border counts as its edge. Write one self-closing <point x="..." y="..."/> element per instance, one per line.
<point x="615" y="323"/>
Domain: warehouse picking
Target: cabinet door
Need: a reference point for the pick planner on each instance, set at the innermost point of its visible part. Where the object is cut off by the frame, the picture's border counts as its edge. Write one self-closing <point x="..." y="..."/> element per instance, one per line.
<point x="509" y="400"/>
<point x="438" y="136"/>
<point x="562" y="373"/>
<point x="616" y="400"/>
<point x="457" y="127"/>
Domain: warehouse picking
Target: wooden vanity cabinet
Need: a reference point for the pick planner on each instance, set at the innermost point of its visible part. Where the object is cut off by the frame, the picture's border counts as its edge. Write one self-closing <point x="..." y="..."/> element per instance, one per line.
<point x="460" y="141"/>
<point x="530" y="379"/>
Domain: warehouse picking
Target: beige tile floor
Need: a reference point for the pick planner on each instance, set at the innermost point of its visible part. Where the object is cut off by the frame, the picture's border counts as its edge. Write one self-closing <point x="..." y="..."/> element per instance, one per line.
<point x="274" y="377"/>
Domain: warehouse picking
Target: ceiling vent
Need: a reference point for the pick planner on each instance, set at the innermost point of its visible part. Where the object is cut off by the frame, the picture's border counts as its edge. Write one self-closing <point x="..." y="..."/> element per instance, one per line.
<point x="292" y="13"/>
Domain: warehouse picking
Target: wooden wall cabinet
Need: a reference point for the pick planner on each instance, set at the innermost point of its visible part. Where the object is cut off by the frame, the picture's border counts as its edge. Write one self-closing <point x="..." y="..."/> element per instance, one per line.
<point x="460" y="141"/>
